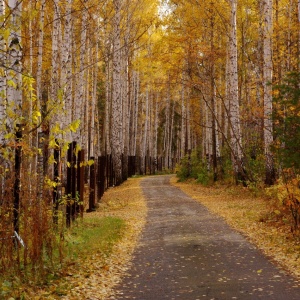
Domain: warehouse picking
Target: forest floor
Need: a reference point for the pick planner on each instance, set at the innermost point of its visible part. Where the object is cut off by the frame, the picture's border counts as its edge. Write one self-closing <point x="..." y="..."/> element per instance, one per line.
<point x="93" y="276"/>
<point x="253" y="216"/>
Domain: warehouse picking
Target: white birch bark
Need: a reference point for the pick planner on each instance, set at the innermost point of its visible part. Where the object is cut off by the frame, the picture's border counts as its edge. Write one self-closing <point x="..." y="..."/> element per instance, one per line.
<point x="188" y="125"/>
<point x="108" y="97"/>
<point x="145" y="132"/>
<point x="267" y="80"/>
<point x="299" y="34"/>
<point x="14" y="73"/>
<point x="40" y="57"/>
<point x="93" y="102"/>
<point x="155" y="127"/>
<point x="234" y="113"/>
<point x="81" y="80"/>
<point x="136" y="92"/>
<point x="55" y="62"/>
<point x="167" y="126"/>
<point x="116" y="112"/>
<point x="170" y="154"/>
<point x="183" y="122"/>
<point x="66" y="72"/>
<point x="2" y="78"/>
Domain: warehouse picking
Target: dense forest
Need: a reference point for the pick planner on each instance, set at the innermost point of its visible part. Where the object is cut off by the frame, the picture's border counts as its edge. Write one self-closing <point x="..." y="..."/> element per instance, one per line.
<point x="213" y="86"/>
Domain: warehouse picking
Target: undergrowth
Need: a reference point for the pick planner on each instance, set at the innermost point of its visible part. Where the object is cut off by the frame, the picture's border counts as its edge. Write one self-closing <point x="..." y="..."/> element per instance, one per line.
<point x="87" y="236"/>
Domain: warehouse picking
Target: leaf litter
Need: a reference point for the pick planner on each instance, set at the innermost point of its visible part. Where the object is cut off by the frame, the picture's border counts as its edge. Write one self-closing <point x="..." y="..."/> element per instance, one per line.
<point x="93" y="277"/>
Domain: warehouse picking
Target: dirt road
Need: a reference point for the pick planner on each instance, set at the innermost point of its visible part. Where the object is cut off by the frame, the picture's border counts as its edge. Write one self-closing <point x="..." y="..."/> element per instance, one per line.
<point x="187" y="253"/>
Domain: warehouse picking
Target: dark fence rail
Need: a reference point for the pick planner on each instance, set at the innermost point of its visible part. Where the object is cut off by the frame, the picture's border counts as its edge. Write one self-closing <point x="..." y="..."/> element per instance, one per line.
<point x="84" y="183"/>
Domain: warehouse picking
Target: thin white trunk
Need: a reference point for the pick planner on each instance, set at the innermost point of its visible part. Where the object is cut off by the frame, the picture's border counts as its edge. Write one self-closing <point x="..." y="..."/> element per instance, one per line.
<point x="107" y="108"/>
<point x="66" y="72"/>
<point x="136" y="110"/>
<point x="145" y="133"/>
<point x="233" y="94"/>
<point x="167" y="126"/>
<point x="155" y="127"/>
<point x="116" y="113"/>
<point x="188" y="125"/>
<point x="40" y="58"/>
<point x="94" y="101"/>
<point x="81" y="78"/>
<point x="267" y="80"/>
<point x="183" y="122"/>
<point x="299" y="34"/>
<point x="14" y="75"/>
<point x="2" y="80"/>
<point x="55" y="63"/>
<point x="170" y="154"/>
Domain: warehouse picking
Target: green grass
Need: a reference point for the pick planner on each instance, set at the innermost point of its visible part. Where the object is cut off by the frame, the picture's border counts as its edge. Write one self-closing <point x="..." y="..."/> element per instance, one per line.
<point x="93" y="234"/>
<point x="86" y="237"/>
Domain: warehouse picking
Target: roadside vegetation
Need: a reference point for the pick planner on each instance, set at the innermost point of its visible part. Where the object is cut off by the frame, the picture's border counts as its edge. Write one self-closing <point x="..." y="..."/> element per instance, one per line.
<point x="94" y="252"/>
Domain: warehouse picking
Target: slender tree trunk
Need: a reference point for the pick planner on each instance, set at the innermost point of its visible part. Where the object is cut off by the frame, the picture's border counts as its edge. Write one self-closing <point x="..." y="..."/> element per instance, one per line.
<point x="136" y="111"/>
<point x="55" y="63"/>
<point x="233" y="94"/>
<point x="299" y="34"/>
<point x="82" y="76"/>
<point x="267" y="81"/>
<point x="66" y="72"/>
<point x="14" y="91"/>
<point x="183" y="121"/>
<point x="167" y="125"/>
<point x="2" y="79"/>
<point x="116" y="113"/>
<point x="39" y="72"/>
<point x="155" y="127"/>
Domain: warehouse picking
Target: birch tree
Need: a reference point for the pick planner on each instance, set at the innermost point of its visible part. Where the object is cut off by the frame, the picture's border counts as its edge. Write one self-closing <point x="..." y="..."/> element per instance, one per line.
<point x="267" y="87"/>
<point x="116" y="111"/>
<point x="40" y="57"/>
<point x="14" y="72"/>
<point x="233" y="93"/>
<point x="66" y="70"/>
<point x="2" y="75"/>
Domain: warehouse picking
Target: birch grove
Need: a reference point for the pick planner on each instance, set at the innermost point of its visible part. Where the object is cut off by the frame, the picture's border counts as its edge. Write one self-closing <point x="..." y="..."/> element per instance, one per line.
<point x="205" y="89"/>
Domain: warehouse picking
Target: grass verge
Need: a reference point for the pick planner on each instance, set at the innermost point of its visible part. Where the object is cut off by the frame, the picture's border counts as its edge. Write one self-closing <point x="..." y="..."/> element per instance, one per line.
<point x="98" y="250"/>
<point x="254" y="217"/>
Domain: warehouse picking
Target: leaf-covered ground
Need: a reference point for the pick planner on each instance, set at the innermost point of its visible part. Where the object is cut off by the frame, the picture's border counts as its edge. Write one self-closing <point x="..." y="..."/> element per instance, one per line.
<point x="255" y="217"/>
<point x="94" y="276"/>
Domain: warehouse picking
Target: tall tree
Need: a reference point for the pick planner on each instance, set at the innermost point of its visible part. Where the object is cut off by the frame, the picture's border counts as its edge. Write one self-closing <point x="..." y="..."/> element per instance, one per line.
<point x="233" y="93"/>
<point x="14" y="59"/>
<point x="267" y="86"/>
<point x="2" y="74"/>
<point x="116" y="111"/>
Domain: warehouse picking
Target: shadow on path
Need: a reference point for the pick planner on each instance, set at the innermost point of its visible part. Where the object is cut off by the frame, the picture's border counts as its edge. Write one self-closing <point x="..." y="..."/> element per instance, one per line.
<point x="187" y="253"/>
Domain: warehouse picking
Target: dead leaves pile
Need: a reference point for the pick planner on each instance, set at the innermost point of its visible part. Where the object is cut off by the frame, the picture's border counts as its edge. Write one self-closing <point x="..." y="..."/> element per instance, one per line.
<point x="94" y="277"/>
<point x="249" y="216"/>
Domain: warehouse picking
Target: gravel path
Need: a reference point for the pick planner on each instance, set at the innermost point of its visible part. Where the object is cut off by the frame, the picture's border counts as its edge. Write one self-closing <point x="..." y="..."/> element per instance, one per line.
<point x="187" y="253"/>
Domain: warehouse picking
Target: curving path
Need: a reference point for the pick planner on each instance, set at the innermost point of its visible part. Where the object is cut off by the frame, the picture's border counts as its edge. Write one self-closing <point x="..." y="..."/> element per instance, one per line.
<point x="187" y="253"/>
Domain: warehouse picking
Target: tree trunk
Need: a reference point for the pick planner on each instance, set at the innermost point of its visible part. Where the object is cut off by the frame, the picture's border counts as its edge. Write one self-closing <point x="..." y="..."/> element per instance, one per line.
<point x="39" y="72"/>
<point x="14" y="91"/>
<point x="2" y="81"/>
<point x="66" y="72"/>
<point x="267" y="81"/>
<point x="233" y="94"/>
<point x="116" y="112"/>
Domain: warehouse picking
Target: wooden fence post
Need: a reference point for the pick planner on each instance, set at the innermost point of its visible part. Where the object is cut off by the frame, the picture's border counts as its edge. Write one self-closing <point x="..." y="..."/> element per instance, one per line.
<point x="92" y="187"/>
<point x="56" y="171"/>
<point x="17" y="181"/>
<point x="80" y="181"/>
